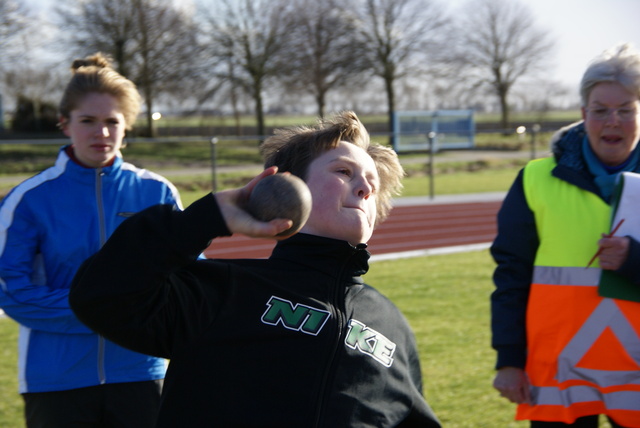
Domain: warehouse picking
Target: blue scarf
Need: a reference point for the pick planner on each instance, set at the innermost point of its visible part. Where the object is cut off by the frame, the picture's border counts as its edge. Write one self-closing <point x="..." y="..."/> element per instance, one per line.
<point x="606" y="176"/>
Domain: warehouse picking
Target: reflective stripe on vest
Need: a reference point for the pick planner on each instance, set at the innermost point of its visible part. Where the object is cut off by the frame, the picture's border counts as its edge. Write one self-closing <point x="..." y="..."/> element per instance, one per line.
<point x="583" y="350"/>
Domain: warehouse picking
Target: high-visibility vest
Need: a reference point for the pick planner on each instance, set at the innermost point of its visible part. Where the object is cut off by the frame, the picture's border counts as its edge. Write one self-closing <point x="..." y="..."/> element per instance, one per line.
<point x="583" y="350"/>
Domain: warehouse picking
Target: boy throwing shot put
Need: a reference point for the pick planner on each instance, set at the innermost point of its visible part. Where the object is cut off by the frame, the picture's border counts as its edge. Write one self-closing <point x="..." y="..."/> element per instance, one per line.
<point x="296" y="340"/>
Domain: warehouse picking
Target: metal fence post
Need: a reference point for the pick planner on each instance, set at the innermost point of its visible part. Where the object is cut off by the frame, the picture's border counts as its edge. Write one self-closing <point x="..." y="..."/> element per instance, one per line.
<point x="534" y="133"/>
<point x="214" y="175"/>
<point x="432" y="140"/>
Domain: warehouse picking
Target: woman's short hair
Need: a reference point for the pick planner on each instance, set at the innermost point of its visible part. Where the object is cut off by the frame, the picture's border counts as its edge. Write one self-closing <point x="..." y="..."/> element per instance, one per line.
<point x="94" y="74"/>
<point x="620" y="64"/>
<point x="293" y="150"/>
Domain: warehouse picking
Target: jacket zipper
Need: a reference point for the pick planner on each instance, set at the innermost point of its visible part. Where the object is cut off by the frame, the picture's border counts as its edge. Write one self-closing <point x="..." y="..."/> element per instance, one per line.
<point x="335" y="302"/>
<point x="103" y="237"/>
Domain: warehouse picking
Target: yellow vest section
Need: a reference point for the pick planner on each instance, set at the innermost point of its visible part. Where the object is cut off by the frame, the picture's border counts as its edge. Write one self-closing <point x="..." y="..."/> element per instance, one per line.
<point x="583" y="350"/>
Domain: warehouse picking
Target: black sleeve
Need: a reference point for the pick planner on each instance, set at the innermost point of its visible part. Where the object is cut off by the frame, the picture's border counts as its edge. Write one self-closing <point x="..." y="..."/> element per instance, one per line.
<point x="514" y="250"/>
<point x="142" y="290"/>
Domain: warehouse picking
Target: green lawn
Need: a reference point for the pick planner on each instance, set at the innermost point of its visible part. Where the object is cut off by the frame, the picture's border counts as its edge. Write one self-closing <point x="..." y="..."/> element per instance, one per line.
<point x="10" y="401"/>
<point x="18" y="161"/>
<point x="445" y="299"/>
<point x="418" y="185"/>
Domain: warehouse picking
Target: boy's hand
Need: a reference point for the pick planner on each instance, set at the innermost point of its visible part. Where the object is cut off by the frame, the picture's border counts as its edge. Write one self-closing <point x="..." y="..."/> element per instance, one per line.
<point x="232" y="204"/>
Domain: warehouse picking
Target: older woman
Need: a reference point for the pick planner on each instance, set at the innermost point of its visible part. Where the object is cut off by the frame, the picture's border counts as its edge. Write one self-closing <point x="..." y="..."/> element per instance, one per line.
<point x="566" y="354"/>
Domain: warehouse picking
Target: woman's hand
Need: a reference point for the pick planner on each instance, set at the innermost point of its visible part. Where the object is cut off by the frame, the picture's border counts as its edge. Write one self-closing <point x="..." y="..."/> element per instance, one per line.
<point x="615" y="251"/>
<point x="513" y="384"/>
<point x="232" y="204"/>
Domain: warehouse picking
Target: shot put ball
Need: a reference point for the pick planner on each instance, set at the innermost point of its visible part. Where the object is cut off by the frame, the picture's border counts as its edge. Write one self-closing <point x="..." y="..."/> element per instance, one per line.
<point x="281" y="196"/>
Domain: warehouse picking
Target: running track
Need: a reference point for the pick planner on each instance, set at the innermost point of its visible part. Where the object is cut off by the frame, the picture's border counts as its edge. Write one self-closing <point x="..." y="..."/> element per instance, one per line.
<point x="410" y="228"/>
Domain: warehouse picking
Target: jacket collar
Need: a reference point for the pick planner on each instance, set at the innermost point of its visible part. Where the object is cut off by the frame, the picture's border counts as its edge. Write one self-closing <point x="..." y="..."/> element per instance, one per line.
<point x="76" y="170"/>
<point x="566" y="146"/>
<point x="331" y="256"/>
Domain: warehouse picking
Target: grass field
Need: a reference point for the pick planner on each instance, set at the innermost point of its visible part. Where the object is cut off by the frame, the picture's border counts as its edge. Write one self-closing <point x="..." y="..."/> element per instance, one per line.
<point x="445" y="297"/>
<point x="449" y="177"/>
<point x="446" y="300"/>
<point x="295" y="120"/>
<point x="18" y="161"/>
<point x="417" y="185"/>
<point x="10" y="402"/>
<point x="455" y="350"/>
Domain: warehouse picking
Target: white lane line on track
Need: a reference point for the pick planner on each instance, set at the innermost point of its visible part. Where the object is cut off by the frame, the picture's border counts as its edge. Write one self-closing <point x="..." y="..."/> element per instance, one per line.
<point x="430" y="252"/>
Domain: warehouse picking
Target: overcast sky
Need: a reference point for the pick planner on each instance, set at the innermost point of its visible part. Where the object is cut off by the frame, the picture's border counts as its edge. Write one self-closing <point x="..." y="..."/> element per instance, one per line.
<point x="582" y="28"/>
<point x="585" y="28"/>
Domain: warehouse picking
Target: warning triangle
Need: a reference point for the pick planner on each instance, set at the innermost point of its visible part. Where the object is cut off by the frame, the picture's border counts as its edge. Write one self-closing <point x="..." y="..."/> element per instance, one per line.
<point x="607" y="353"/>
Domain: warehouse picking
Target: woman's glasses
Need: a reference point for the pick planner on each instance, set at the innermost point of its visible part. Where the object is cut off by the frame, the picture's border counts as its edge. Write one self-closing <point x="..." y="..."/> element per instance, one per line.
<point x="624" y="114"/>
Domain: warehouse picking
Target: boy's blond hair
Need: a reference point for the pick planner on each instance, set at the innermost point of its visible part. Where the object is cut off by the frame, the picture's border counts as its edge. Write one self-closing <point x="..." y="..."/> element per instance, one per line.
<point x="293" y="150"/>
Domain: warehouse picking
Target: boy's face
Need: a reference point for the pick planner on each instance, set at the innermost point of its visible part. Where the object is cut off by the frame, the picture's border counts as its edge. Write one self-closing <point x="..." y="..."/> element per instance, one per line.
<point x="343" y="183"/>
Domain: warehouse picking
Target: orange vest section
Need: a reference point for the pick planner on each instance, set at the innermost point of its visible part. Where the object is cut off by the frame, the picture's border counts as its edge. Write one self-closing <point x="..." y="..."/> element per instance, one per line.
<point x="552" y="324"/>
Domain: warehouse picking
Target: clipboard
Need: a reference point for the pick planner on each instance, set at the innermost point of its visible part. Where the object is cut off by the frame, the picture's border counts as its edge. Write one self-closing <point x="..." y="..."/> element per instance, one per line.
<point x="625" y="205"/>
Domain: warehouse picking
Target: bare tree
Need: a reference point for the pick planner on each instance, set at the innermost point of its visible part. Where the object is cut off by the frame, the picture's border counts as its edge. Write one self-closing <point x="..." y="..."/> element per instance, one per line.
<point x="153" y="43"/>
<point x="322" y="50"/>
<point x="246" y="37"/>
<point x="27" y="72"/>
<point x="14" y="21"/>
<point x="40" y="87"/>
<point x="499" y="44"/>
<point x="167" y="53"/>
<point x="402" y="37"/>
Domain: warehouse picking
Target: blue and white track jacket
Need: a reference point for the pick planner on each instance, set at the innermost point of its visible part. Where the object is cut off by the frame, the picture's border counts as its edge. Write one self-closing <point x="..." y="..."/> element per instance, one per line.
<point x="49" y="225"/>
